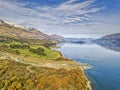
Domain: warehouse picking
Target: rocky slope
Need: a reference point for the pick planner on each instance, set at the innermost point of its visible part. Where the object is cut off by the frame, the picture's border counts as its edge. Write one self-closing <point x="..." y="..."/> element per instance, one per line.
<point x="19" y="32"/>
<point x="12" y="31"/>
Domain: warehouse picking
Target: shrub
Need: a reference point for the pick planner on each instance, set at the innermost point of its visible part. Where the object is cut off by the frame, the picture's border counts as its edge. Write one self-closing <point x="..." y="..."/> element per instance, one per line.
<point x="20" y="46"/>
<point x="39" y="51"/>
<point x="49" y="44"/>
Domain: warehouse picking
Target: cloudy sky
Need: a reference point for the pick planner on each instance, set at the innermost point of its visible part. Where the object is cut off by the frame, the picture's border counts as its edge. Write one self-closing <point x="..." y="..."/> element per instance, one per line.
<point x="70" y="18"/>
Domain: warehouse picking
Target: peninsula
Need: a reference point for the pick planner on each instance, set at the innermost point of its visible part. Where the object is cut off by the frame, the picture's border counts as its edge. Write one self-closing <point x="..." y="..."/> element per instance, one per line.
<point x="28" y="63"/>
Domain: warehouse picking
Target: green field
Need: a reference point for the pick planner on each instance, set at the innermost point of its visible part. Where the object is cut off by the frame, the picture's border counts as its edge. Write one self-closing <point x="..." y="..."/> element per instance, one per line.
<point x="50" y="54"/>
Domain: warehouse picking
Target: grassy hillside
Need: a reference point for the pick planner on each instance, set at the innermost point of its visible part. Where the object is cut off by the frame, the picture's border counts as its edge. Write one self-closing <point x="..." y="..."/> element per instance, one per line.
<point x="49" y="54"/>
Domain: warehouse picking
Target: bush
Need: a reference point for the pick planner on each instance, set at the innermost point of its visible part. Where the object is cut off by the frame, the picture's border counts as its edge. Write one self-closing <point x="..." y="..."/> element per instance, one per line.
<point x="49" y="44"/>
<point x="39" y="51"/>
<point x="17" y="52"/>
<point x="20" y="46"/>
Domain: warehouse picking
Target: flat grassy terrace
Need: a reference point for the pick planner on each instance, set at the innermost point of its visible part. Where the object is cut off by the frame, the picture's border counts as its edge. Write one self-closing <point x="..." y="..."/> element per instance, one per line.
<point x="50" y="54"/>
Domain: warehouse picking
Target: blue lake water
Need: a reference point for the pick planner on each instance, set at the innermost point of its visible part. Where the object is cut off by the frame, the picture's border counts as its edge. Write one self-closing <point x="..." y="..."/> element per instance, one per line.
<point x="105" y="73"/>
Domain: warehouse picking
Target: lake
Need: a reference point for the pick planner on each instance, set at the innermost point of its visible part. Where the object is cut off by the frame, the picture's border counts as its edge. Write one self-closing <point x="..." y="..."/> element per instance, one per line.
<point x="105" y="71"/>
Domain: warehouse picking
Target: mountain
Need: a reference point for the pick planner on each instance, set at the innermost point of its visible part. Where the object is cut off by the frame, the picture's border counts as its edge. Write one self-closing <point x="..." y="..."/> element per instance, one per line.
<point x="57" y="37"/>
<point x="12" y="30"/>
<point x="79" y="40"/>
<point x="111" y="41"/>
<point x="15" y="31"/>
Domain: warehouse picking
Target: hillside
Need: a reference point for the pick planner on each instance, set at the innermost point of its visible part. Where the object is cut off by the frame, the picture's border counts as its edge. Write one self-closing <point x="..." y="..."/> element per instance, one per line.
<point x="57" y="37"/>
<point x="39" y="78"/>
<point x="110" y="41"/>
<point x="20" y="32"/>
<point x="113" y="39"/>
<point x="42" y="68"/>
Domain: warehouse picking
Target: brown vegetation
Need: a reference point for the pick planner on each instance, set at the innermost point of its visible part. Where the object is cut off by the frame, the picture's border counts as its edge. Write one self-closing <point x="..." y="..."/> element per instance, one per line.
<point x="16" y="76"/>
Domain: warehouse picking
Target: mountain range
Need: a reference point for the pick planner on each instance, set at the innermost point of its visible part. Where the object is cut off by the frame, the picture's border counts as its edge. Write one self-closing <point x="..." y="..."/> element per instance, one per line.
<point x="19" y="32"/>
<point x="79" y="40"/>
<point x="111" y="41"/>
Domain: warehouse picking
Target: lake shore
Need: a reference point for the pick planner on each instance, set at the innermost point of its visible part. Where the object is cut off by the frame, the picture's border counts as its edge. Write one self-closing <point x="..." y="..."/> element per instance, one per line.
<point x="88" y="81"/>
<point x="83" y="66"/>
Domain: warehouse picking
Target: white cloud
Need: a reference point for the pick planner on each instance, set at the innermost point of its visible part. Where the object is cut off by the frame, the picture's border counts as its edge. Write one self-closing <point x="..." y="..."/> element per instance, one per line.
<point x="63" y="18"/>
<point x="67" y="12"/>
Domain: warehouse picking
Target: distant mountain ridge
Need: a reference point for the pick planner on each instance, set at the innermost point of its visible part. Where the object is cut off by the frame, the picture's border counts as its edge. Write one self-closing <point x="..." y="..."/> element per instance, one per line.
<point x="79" y="40"/>
<point x="20" y="32"/>
<point x="113" y="39"/>
<point x="110" y="41"/>
<point x="57" y="37"/>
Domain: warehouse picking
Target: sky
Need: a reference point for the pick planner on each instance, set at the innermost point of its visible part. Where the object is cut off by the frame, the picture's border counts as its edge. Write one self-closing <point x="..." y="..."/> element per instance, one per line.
<point x="69" y="18"/>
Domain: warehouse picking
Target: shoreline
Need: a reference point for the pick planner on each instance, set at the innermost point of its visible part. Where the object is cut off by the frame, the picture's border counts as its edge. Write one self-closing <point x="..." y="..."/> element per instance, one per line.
<point x="88" y="81"/>
<point x="83" y="66"/>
